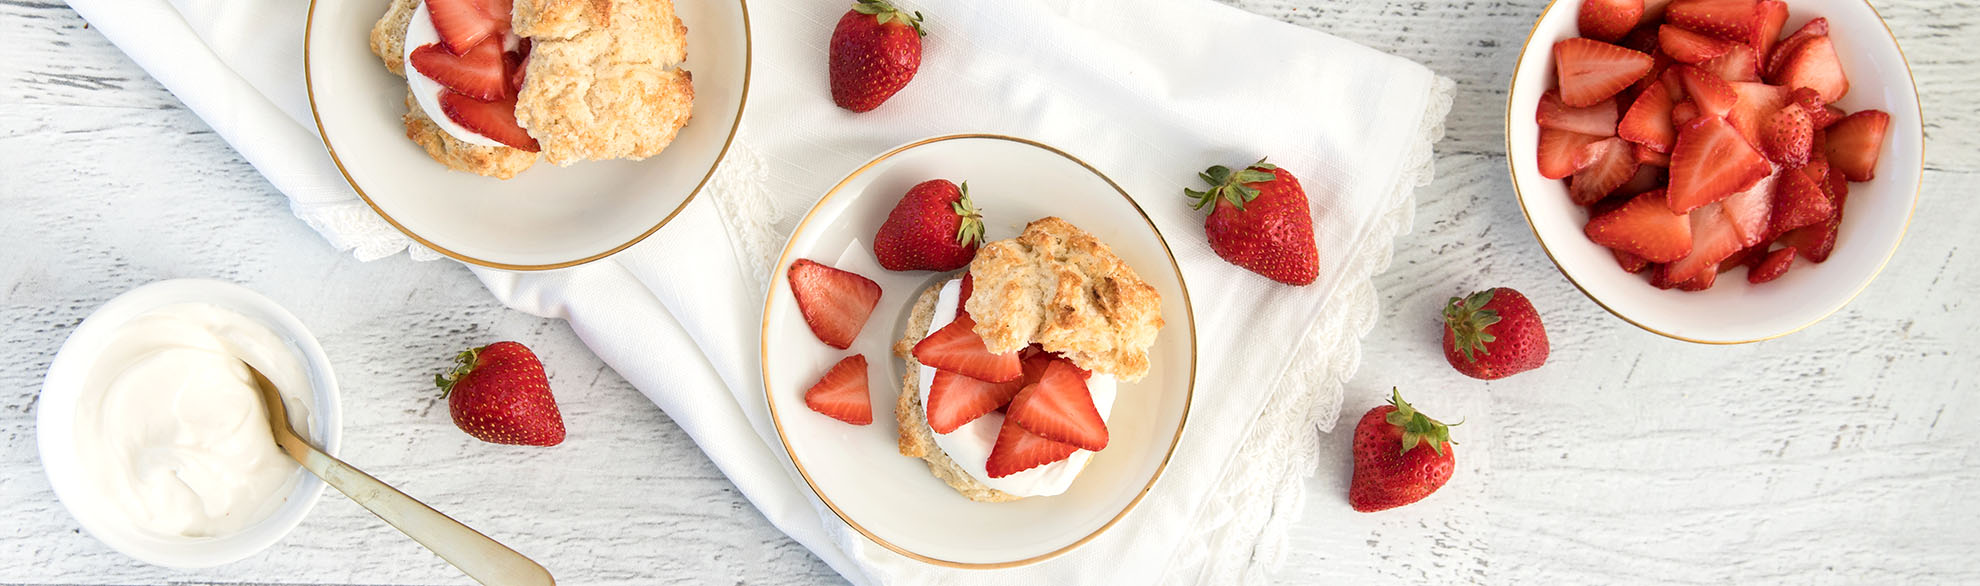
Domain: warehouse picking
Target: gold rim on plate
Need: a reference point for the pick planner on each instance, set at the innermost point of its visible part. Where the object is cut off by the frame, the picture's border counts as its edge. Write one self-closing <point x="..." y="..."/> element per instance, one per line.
<point x="1512" y="174"/>
<point x="742" y="104"/>
<point x="784" y="260"/>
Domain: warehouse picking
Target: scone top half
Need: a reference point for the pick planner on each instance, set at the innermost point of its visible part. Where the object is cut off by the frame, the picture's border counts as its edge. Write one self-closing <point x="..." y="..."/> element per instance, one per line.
<point x="603" y="80"/>
<point x="1059" y="287"/>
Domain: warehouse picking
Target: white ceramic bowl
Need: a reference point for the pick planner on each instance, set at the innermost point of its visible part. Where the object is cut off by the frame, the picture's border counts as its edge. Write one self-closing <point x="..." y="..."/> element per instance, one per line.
<point x="55" y="420"/>
<point x="858" y="471"/>
<point x="547" y="217"/>
<point x="1732" y="311"/>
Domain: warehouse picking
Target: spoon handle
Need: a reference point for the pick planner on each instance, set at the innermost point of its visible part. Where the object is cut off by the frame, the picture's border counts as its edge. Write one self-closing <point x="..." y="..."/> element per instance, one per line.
<point x="481" y="558"/>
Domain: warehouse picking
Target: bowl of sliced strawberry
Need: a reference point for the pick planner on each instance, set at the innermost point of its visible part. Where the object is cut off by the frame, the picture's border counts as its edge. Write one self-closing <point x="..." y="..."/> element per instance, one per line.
<point x="1716" y="171"/>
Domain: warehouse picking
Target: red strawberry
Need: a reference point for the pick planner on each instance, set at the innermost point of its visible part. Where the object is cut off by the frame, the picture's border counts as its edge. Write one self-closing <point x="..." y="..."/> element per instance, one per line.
<point x="876" y="49"/>
<point x="1739" y="63"/>
<point x="954" y="399"/>
<point x="495" y="120"/>
<point x="1259" y="220"/>
<point x="516" y="63"/>
<point x="1646" y="156"/>
<point x="934" y="228"/>
<point x="1493" y="334"/>
<point x="1630" y="263"/>
<point x="1647" y="123"/>
<point x="1813" y="64"/>
<point x="463" y="24"/>
<point x="479" y="74"/>
<point x="1035" y="360"/>
<point x="1750" y="209"/>
<point x="841" y="394"/>
<point x="1654" y="10"/>
<point x="1059" y="408"/>
<point x="962" y="298"/>
<point x="835" y="303"/>
<point x="1820" y="114"/>
<point x="1713" y="238"/>
<point x="1786" y="136"/>
<point x="956" y="348"/>
<point x="1644" y="227"/>
<point x="1596" y="120"/>
<point x="1703" y="281"/>
<point x="1855" y="143"/>
<point x="1615" y="163"/>
<point x="1745" y="256"/>
<point x="1649" y="177"/>
<point x="1726" y="19"/>
<point x="1714" y="96"/>
<point x="1711" y="161"/>
<point x="1017" y="450"/>
<point x="1768" y="18"/>
<point x="1818" y="27"/>
<point x="1591" y="71"/>
<point x="1562" y="152"/>
<point x="1689" y="47"/>
<point x="499" y="394"/>
<point x="1772" y="266"/>
<point x="1608" y="20"/>
<point x="1389" y="468"/>
<point x="1756" y="102"/>
<point x="1683" y="113"/>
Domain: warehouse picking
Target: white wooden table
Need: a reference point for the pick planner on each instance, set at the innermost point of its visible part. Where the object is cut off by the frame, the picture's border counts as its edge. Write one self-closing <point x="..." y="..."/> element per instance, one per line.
<point x="1843" y="454"/>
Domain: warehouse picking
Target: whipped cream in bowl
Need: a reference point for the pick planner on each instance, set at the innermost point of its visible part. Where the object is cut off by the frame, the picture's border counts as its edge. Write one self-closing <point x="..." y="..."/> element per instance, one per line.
<point x="154" y="437"/>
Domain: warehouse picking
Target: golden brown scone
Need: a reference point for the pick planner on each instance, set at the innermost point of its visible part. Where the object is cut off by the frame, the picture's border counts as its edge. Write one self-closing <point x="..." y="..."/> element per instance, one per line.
<point x="917" y="440"/>
<point x="388" y="37"/>
<point x="1062" y="288"/>
<point x="499" y="162"/>
<point x="603" y="80"/>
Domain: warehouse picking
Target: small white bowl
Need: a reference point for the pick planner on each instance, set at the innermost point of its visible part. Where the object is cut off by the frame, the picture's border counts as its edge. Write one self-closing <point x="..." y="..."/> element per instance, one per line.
<point x="55" y="422"/>
<point x="1732" y="311"/>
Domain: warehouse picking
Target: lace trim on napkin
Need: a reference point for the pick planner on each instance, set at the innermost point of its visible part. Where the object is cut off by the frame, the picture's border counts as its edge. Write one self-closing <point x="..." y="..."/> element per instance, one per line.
<point x="352" y="226"/>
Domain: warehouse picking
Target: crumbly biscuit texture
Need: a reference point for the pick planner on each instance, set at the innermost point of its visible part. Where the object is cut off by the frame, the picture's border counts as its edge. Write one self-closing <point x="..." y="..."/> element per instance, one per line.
<point x="388" y="37"/>
<point x="603" y="80"/>
<point x="1060" y="287"/>
<point x="500" y="162"/>
<point x="917" y="440"/>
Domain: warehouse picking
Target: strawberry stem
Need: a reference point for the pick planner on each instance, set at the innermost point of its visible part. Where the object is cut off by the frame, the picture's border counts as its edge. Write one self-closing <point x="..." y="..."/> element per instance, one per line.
<point x="970" y="230"/>
<point x="885" y="11"/>
<point x="1417" y="427"/>
<point x="1230" y="186"/>
<point x="1467" y="320"/>
<point x="464" y="363"/>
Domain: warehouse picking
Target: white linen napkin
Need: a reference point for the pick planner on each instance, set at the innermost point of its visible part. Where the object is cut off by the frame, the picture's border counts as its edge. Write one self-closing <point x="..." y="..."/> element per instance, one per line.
<point x="1148" y="91"/>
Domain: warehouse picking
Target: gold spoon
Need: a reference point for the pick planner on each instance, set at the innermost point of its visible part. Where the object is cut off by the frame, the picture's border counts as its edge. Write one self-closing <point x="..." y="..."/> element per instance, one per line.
<point x="475" y="554"/>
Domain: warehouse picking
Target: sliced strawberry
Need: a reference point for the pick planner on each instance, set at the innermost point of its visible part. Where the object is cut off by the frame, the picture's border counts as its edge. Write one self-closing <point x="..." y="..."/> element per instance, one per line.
<point x="1035" y="360"/>
<point x="1711" y="162"/>
<point x="1648" y="156"/>
<point x="962" y="298"/>
<point x="1703" y="280"/>
<point x="1768" y="18"/>
<point x="1771" y="266"/>
<point x="1731" y="20"/>
<point x="1059" y="408"/>
<point x="1798" y="201"/>
<point x="835" y="303"/>
<point x="479" y="74"/>
<point x="1739" y="63"/>
<point x="1648" y="122"/>
<point x="1608" y="20"/>
<point x="1820" y="114"/>
<point x="1630" y="263"/>
<point x="1756" y="102"/>
<point x="517" y="64"/>
<point x="956" y="348"/>
<point x="1745" y="256"/>
<point x="1596" y="120"/>
<point x="1614" y="164"/>
<point x="1855" y="143"/>
<point x="1750" y="210"/>
<point x="1714" y="96"/>
<point x="1659" y="63"/>
<point x="1590" y="71"/>
<point x="1787" y="136"/>
<point x="1813" y="64"/>
<point x="1713" y="238"/>
<point x="954" y="399"/>
<point x="1644" y="227"/>
<point x="463" y="24"/>
<point x="841" y="394"/>
<point x="1683" y="113"/>
<point x="1829" y="117"/>
<point x="1648" y="178"/>
<point x="1562" y="152"/>
<point x="495" y="120"/>
<point x="1689" y="47"/>
<point x="1017" y="450"/>
<point x="1818" y="27"/>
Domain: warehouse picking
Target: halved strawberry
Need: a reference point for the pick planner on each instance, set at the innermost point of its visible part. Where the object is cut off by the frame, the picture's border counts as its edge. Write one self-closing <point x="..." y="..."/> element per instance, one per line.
<point x="1798" y="201"/>
<point x="1590" y="71"/>
<point x="1059" y="408"/>
<point x="1713" y="96"/>
<point x="1750" y="210"/>
<point x="962" y="297"/>
<point x="1731" y="20"/>
<point x="1739" y="63"/>
<point x="841" y="394"/>
<point x="1814" y="65"/>
<point x="1608" y="20"/>
<point x="1596" y="120"/>
<point x="1713" y="238"/>
<point x="1787" y="136"/>
<point x="1644" y="227"/>
<point x="1771" y="266"/>
<point x="1017" y="450"/>
<point x="954" y="399"/>
<point x="1562" y="152"/>
<point x="479" y="74"/>
<point x="1648" y="122"/>
<point x="1768" y="18"/>
<point x="1614" y="164"/>
<point x="956" y="348"/>
<point x="1689" y="47"/>
<point x="1711" y="162"/>
<point x="1648" y="156"/>
<point x="1819" y="27"/>
<point x="1855" y="143"/>
<point x="463" y="24"/>
<point x="835" y="303"/>
<point x="495" y="120"/>
<point x="1756" y="102"/>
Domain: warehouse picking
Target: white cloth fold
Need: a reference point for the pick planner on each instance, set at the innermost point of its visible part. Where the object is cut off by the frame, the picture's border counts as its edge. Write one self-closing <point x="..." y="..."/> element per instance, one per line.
<point x="1148" y="91"/>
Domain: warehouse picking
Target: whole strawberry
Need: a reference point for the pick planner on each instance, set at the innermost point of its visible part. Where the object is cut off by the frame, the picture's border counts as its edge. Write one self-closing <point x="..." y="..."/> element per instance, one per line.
<point x="933" y="228"/>
<point x="498" y="394"/>
<point x="876" y="49"/>
<point x="1400" y="456"/>
<point x="1493" y="334"/>
<point x="1260" y="221"/>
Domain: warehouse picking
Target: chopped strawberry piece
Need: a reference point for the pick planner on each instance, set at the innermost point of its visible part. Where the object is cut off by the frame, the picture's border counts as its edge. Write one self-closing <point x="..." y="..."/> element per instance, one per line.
<point x="1689" y="47"/>
<point x="1703" y="280"/>
<point x="1813" y="64"/>
<point x="1059" y="408"/>
<point x="517" y="64"/>
<point x="956" y="348"/>
<point x="1608" y="20"/>
<point x="1739" y="63"/>
<point x="1713" y="238"/>
<point x="1756" y="102"/>
<point x="1035" y="360"/>
<point x="1017" y="450"/>
<point x="495" y="120"/>
<point x="1787" y="136"/>
<point x="962" y="298"/>
<point x="1683" y="113"/>
<point x="463" y="24"/>
<point x="835" y="303"/>
<point x="841" y="394"/>
<point x="1562" y="152"/>
<point x="1726" y="19"/>
<point x="1710" y="163"/>
<point x="1614" y="164"/>
<point x="954" y="399"/>
<point x="1798" y="201"/>
<point x="1771" y="266"/>
<point x="1818" y="27"/>
<point x="1750" y="210"/>
<point x="1648" y="121"/>
<point x="1630" y="263"/>
<point x="479" y="74"/>
<point x="1820" y="114"/>
<point x="1855" y="143"/>
<point x="1596" y="120"/>
<point x="1648" y="178"/>
<point x="1768" y="18"/>
<point x="1590" y="71"/>
<point x="1745" y="256"/>
<point x="1644" y="227"/>
<point x="1714" y="96"/>
<point x="1648" y="156"/>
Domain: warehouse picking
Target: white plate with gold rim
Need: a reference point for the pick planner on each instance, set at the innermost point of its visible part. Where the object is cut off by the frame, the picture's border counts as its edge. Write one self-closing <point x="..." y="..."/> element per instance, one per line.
<point x="857" y="470"/>
<point x="547" y="217"/>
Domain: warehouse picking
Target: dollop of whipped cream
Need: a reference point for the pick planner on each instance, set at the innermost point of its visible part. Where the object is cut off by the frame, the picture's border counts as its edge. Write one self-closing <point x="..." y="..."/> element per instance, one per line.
<point x="420" y="33"/>
<point x="969" y="446"/>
